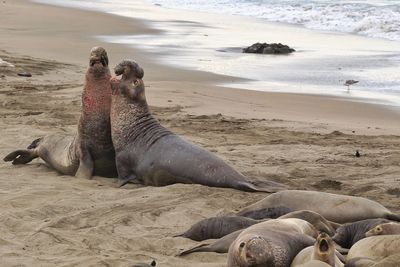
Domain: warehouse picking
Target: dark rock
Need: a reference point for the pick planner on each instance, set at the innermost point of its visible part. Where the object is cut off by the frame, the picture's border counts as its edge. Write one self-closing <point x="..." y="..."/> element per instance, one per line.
<point x="25" y="74"/>
<point x="264" y="48"/>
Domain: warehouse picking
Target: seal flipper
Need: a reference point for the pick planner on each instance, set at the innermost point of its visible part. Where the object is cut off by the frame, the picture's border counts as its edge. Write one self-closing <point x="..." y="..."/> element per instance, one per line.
<point x="130" y="179"/>
<point x="21" y="156"/>
<point x="393" y="217"/>
<point x="199" y="248"/>
<point x="86" y="165"/>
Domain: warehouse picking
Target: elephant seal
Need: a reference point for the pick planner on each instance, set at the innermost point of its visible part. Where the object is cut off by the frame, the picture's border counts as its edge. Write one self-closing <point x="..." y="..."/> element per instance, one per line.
<point x="319" y="222"/>
<point x="350" y="233"/>
<point x="91" y="150"/>
<point x="219" y="246"/>
<point x="272" y="212"/>
<point x="336" y="208"/>
<point x="315" y="263"/>
<point x="390" y="228"/>
<point x="323" y="250"/>
<point x="258" y="246"/>
<point x="148" y="153"/>
<point x="292" y="225"/>
<point x="217" y="227"/>
<point x="390" y="261"/>
<point x="375" y="247"/>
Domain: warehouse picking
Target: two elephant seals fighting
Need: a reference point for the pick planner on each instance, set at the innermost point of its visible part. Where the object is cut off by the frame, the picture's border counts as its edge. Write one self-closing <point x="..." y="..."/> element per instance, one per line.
<point x="91" y="150"/>
<point x="148" y="153"/>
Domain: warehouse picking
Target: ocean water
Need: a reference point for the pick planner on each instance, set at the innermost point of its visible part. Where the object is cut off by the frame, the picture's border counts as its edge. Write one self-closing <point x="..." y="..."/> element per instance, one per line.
<point x="373" y="18"/>
<point x="335" y="41"/>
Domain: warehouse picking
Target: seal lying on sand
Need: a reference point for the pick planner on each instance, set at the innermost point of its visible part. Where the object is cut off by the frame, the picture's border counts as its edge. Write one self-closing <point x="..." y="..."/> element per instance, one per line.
<point x="148" y="153"/>
<point x="390" y="228"/>
<point x="323" y="250"/>
<point x="217" y="227"/>
<point x="269" y="244"/>
<point x="375" y="247"/>
<point x="390" y="261"/>
<point x="350" y="233"/>
<point x="91" y="150"/>
<point x="319" y="222"/>
<point x="336" y="208"/>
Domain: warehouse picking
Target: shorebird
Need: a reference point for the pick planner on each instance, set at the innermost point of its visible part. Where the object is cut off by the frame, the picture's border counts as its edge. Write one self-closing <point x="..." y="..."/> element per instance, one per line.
<point x="349" y="82"/>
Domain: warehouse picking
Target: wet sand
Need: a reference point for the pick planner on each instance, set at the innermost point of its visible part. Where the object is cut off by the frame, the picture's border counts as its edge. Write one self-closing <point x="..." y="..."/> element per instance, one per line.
<point x="47" y="219"/>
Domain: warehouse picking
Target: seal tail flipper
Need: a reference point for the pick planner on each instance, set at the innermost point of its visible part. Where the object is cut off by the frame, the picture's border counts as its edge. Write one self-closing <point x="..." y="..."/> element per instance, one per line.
<point x="21" y="156"/>
<point x="393" y="217"/>
<point x="199" y="248"/>
<point x="267" y="187"/>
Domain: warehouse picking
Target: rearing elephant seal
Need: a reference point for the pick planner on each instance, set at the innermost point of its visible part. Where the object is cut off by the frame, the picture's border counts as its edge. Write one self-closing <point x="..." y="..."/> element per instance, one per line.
<point x="333" y="207"/>
<point x="148" y="153"/>
<point x="90" y="151"/>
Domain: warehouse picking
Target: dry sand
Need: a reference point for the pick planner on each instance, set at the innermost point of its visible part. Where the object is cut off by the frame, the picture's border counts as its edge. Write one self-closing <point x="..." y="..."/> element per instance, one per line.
<point x="49" y="219"/>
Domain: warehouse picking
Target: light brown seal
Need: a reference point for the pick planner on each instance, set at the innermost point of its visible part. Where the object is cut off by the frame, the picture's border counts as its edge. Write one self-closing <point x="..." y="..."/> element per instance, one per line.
<point x="390" y="228"/>
<point x="323" y="250"/>
<point x="336" y="208"/>
<point x="91" y="150"/>
<point x="148" y="153"/>
<point x="375" y="247"/>
<point x="318" y="221"/>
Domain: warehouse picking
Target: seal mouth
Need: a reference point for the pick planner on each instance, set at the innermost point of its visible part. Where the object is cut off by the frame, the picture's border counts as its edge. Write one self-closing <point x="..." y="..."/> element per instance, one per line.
<point x="323" y="245"/>
<point x="97" y="60"/>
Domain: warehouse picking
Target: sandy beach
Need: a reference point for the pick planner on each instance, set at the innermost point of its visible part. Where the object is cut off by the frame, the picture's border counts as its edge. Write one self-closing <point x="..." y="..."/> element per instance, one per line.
<point x="48" y="219"/>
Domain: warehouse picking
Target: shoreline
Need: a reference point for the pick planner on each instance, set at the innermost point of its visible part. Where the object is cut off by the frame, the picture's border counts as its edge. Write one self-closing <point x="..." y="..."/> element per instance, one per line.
<point x="189" y="40"/>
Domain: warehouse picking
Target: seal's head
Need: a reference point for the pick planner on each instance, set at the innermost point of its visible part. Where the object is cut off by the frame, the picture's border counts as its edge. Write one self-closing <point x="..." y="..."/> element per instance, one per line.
<point x="129" y="70"/>
<point x="324" y="247"/>
<point x="131" y="84"/>
<point x="390" y="228"/>
<point x="98" y="61"/>
<point x="254" y="252"/>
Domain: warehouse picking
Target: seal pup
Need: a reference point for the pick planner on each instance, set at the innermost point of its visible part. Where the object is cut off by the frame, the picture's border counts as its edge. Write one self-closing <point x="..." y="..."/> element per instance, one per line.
<point x="91" y="150"/>
<point x="390" y="228"/>
<point x="218" y="246"/>
<point x="148" y="153"/>
<point x="323" y="250"/>
<point x="375" y="247"/>
<point x="318" y="221"/>
<point x="257" y="246"/>
<point x="264" y="213"/>
<point x="333" y="207"/>
<point x="217" y="227"/>
<point x="350" y="233"/>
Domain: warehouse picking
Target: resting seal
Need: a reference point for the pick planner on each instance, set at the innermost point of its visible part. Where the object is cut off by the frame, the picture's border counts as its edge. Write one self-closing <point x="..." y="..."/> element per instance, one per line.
<point x="390" y="228"/>
<point x="319" y="222"/>
<point x="269" y="244"/>
<point x="323" y="250"/>
<point x="336" y="208"/>
<point x="217" y="227"/>
<point x="90" y="151"/>
<point x="375" y="247"/>
<point x="350" y="233"/>
<point x="148" y="153"/>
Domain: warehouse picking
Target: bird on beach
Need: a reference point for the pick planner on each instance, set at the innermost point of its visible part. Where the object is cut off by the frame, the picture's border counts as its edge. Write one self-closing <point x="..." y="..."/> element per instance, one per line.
<point x="349" y="82"/>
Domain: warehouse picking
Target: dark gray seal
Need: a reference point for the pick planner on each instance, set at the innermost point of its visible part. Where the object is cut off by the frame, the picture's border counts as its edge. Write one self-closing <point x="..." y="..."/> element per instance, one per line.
<point x="333" y="207"/>
<point x="218" y="246"/>
<point x="350" y="233"/>
<point x="90" y="151"/>
<point x="148" y="153"/>
<point x="217" y="227"/>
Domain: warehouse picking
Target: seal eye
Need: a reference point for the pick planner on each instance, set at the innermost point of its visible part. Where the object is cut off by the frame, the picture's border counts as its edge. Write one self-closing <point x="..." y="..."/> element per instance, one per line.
<point x="242" y="244"/>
